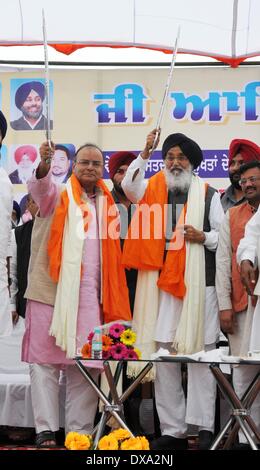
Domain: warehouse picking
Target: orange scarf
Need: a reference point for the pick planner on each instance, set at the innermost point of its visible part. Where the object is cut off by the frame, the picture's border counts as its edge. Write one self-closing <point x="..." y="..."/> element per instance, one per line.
<point x="171" y="278"/>
<point x="114" y="289"/>
<point x="148" y="253"/>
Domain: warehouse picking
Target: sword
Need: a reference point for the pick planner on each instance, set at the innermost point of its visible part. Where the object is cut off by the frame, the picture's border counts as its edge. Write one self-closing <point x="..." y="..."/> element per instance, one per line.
<point x="47" y="85"/>
<point x="166" y="90"/>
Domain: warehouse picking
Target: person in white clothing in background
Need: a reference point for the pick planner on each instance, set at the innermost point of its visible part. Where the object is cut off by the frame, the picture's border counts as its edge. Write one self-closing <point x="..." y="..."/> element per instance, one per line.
<point x="6" y="207"/>
<point x="248" y="256"/>
<point x="235" y="309"/>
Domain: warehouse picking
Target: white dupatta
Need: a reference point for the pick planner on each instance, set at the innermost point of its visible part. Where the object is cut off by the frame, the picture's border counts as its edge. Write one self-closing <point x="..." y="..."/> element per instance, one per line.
<point x="64" y="320"/>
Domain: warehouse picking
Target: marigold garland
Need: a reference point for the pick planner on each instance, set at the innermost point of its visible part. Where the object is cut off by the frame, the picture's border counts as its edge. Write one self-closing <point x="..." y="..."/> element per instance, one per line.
<point x="76" y="441"/>
<point x="119" y="439"/>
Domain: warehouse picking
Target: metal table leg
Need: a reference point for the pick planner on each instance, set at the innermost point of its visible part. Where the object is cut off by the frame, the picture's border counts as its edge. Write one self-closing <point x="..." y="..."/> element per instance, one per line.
<point x="113" y="404"/>
<point x="239" y="412"/>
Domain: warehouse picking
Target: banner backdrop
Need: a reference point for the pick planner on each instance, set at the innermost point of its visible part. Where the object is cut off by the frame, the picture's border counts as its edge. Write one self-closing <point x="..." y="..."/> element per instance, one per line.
<point x="116" y="109"/>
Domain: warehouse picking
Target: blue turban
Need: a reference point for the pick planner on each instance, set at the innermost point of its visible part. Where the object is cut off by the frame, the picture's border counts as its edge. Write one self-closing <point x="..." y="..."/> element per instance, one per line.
<point x="3" y="125"/>
<point x="17" y="209"/>
<point x="190" y="148"/>
<point x="24" y="90"/>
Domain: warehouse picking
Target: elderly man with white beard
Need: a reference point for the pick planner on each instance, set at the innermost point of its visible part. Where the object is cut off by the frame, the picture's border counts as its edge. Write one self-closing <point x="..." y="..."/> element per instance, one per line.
<point x="176" y="304"/>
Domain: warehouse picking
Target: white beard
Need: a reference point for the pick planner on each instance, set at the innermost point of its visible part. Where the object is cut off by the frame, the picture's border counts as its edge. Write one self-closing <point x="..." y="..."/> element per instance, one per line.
<point x="180" y="182"/>
<point x="25" y="174"/>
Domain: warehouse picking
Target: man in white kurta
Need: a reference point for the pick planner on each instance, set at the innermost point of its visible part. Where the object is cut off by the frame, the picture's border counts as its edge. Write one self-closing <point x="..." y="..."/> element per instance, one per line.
<point x="6" y="206"/>
<point x="235" y="313"/>
<point x="248" y="256"/>
<point x="170" y="400"/>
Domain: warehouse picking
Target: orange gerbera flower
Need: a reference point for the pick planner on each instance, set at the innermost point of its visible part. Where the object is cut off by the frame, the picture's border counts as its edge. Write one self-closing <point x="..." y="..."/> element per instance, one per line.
<point x="107" y="342"/>
<point x="86" y="350"/>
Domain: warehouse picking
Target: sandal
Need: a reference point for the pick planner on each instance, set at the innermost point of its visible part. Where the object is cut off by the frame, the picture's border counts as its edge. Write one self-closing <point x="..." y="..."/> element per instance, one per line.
<point x="43" y="437"/>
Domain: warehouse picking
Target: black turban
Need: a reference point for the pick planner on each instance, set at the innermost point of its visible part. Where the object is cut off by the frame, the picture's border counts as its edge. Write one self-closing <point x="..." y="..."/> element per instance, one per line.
<point x="24" y="90"/>
<point x="190" y="148"/>
<point x="3" y="125"/>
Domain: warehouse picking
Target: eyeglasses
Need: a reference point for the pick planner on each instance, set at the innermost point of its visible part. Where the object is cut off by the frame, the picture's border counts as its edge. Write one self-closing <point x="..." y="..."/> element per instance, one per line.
<point x="94" y="163"/>
<point x="181" y="158"/>
<point x="252" y="179"/>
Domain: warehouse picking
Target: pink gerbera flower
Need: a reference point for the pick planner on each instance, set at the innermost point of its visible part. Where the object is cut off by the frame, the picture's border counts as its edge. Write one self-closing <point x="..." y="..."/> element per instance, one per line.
<point x="131" y="354"/>
<point x="90" y="336"/>
<point x="106" y="354"/>
<point x="116" y="329"/>
<point x="118" y="351"/>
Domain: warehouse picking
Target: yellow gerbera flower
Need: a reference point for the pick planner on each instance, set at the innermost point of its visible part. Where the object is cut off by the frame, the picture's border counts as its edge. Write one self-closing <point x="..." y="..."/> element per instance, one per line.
<point x="138" y="353"/>
<point x="128" y="337"/>
<point x="121" y="434"/>
<point x="108" y="443"/>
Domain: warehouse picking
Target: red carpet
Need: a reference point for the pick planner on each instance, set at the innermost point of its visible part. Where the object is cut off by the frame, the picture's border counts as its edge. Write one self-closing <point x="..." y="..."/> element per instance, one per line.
<point x="27" y="447"/>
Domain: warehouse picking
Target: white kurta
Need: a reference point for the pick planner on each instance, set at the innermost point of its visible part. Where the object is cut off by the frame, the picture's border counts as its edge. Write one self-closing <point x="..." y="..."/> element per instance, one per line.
<point x="6" y="206"/>
<point x="169" y="306"/>
<point x="249" y="249"/>
<point x="173" y="410"/>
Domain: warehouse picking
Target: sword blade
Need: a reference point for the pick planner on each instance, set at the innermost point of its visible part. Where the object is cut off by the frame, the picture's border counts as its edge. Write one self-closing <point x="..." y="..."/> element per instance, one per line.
<point x="169" y="79"/>
<point x="166" y="89"/>
<point x="47" y="81"/>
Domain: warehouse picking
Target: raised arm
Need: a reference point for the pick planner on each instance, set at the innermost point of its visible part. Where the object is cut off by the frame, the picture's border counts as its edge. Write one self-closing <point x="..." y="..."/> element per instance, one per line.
<point x="134" y="184"/>
<point x="43" y="189"/>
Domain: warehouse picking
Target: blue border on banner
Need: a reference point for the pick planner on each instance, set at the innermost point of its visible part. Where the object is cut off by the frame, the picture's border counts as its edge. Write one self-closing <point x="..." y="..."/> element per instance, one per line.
<point x="214" y="165"/>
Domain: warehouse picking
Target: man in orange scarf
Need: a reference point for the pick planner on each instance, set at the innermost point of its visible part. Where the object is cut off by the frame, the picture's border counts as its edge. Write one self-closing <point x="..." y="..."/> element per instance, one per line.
<point x="76" y="282"/>
<point x="185" y="285"/>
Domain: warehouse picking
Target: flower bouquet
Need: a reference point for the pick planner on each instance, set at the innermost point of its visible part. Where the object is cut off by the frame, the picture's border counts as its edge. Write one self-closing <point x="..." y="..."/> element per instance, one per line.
<point x="117" y="343"/>
<point x="119" y="439"/>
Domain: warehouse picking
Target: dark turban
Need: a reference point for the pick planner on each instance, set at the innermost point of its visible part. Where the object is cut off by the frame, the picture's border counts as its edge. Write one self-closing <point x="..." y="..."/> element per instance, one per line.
<point x="17" y="209"/>
<point x="118" y="159"/>
<point x="190" y="148"/>
<point x="3" y="125"/>
<point x="28" y="150"/>
<point x="24" y="90"/>
<point x="247" y="149"/>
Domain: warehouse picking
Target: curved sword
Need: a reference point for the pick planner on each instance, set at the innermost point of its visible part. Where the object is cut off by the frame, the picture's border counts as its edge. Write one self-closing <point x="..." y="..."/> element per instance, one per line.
<point x="47" y="83"/>
<point x="166" y="90"/>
